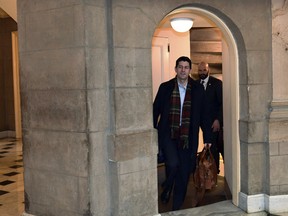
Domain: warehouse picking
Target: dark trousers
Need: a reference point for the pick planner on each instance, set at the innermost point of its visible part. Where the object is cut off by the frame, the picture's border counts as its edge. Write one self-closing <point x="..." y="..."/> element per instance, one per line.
<point x="178" y="168"/>
<point x="217" y="147"/>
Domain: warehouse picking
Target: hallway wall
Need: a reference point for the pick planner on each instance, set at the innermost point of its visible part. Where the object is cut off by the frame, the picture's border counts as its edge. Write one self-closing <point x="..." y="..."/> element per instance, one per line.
<point x="7" y="117"/>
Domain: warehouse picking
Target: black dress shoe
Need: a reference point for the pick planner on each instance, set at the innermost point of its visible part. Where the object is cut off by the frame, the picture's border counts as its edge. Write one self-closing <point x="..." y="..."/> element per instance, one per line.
<point x="165" y="196"/>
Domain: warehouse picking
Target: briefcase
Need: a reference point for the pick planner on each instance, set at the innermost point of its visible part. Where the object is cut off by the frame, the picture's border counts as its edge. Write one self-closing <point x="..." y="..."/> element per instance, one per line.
<point x="205" y="175"/>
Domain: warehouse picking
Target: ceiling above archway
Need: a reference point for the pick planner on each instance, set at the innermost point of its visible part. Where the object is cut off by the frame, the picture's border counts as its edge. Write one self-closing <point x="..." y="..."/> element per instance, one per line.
<point x="3" y="14"/>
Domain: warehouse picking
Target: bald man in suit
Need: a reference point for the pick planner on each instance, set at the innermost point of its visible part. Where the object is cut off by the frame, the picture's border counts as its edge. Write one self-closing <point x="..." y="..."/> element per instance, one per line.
<point x="213" y="96"/>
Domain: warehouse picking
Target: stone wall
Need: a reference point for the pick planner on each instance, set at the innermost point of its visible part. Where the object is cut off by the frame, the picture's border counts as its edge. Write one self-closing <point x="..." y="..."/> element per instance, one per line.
<point x="86" y="86"/>
<point x="278" y="124"/>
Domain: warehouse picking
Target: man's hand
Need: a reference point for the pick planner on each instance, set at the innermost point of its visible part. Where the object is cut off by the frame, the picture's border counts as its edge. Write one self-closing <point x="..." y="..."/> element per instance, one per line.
<point x="207" y="145"/>
<point x="216" y="125"/>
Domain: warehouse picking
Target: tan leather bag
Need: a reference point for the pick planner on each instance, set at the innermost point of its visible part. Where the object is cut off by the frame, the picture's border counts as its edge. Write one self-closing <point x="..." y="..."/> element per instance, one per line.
<point x="205" y="175"/>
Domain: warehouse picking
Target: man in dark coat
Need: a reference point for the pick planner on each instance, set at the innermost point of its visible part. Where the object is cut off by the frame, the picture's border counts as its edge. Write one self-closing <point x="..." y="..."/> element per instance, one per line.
<point x="178" y="112"/>
<point x="213" y="96"/>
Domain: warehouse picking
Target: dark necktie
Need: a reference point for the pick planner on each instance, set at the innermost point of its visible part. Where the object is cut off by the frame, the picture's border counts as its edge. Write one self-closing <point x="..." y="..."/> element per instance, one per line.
<point x="203" y="83"/>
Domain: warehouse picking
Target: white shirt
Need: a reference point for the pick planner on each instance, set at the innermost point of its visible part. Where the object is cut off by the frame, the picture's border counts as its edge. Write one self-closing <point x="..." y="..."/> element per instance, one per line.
<point x="182" y="92"/>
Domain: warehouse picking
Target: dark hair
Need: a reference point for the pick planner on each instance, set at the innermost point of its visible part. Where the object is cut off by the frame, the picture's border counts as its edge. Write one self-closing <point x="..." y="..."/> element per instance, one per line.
<point x="184" y="58"/>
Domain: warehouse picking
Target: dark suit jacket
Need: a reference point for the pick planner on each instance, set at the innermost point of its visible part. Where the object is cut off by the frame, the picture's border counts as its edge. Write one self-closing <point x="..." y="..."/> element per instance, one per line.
<point x="199" y="115"/>
<point x="213" y="95"/>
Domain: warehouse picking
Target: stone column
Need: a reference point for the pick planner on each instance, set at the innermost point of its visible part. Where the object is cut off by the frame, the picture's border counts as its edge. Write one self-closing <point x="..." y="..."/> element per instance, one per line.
<point x="86" y="88"/>
<point x="65" y="106"/>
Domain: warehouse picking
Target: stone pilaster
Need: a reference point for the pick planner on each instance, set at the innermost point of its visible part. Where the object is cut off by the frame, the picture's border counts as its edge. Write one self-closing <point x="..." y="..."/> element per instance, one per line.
<point x="278" y="139"/>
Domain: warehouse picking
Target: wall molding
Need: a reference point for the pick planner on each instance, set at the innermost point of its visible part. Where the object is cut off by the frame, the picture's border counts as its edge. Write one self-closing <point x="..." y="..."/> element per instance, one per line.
<point x="279" y="109"/>
<point x="26" y="214"/>
<point x="263" y="202"/>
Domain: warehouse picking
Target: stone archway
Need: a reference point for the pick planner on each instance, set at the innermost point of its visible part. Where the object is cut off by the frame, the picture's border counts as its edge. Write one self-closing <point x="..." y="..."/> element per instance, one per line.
<point x="231" y="106"/>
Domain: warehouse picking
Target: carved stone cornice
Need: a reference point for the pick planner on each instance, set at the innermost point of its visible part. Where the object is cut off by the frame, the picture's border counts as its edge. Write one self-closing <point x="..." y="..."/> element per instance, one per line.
<point x="279" y="110"/>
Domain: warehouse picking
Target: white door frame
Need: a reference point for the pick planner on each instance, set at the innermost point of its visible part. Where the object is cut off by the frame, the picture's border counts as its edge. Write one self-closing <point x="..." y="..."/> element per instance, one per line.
<point x="16" y="85"/>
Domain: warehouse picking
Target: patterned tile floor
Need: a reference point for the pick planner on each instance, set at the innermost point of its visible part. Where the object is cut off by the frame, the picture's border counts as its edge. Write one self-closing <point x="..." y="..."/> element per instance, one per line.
<point x="12" y="187"/>
<point x="11" y="178"/>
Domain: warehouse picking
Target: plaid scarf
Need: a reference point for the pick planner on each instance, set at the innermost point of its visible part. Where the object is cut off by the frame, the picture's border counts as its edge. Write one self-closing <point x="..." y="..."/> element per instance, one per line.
<point x="174" y="115"/>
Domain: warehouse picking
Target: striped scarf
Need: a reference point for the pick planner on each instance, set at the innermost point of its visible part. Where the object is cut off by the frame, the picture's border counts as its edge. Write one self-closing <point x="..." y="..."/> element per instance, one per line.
<point x="178" y="132"/>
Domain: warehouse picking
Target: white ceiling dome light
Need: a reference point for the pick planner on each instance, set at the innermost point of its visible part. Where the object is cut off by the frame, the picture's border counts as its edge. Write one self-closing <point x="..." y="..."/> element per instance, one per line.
<point x="180" y="24"/>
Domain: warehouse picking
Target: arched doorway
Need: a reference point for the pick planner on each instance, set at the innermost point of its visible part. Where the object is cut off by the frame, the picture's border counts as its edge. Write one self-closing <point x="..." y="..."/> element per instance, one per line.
<point x="230" y="71"/>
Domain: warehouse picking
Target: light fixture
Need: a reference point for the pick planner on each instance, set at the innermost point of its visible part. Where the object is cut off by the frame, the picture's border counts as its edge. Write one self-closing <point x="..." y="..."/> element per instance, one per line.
<point x="180" y="24"/>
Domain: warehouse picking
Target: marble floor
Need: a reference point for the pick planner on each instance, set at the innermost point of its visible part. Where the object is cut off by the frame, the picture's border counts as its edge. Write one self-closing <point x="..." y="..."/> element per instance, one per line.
<point x="12" y="186"/>
<point x="12" y="189"/>
<point x="11" y="178"/>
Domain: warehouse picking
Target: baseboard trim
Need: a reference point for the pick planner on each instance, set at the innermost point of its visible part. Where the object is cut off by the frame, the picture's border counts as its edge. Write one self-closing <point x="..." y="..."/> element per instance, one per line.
<point x="26" y="214"/>
<point x="263" y="202"/>
<point x="7" y="134"/>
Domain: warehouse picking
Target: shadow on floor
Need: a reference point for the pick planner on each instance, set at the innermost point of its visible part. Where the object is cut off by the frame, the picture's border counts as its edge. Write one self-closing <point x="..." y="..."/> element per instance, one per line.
<point x="215" y="195"/>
